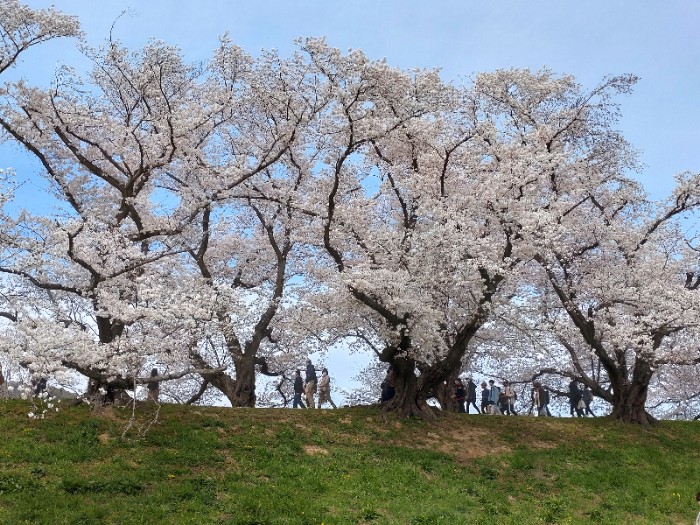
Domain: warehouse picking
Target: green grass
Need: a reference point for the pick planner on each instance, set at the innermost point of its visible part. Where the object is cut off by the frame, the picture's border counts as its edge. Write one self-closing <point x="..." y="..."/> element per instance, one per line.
<point x="244" y="467"/>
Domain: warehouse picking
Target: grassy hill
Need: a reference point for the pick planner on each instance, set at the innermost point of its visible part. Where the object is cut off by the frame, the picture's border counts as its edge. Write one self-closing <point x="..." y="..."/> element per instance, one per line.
<point x="246" y="466"/>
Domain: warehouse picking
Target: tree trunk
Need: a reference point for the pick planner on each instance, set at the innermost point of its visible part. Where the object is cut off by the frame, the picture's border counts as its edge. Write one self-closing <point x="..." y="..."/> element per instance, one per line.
<point x="629" y="403"/>
<point x="244" y="390"/>
<point x="223" y="383"/>
<point x="444" y="392"/>
<point x="407" y="401"/>
<point x="112" y="396"/>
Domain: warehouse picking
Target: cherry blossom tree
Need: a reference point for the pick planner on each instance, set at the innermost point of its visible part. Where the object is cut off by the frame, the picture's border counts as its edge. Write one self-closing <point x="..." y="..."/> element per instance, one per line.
<point x="123" y="157"/>
<point x="630" y="300"/>
<point x="232" y="217"/>
<point x="244" y="245"/>
<point x="622" y="280"/>
<point x="412" y="245"/>
<point x="22" y="28"/>
<point x="473" y="189"/>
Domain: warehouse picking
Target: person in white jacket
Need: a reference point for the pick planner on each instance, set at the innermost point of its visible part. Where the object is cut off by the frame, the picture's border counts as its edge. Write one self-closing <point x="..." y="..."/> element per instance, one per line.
<point x="510" y="398"/>
<point x="697" y="499"/>
<point x="324" y="389"/>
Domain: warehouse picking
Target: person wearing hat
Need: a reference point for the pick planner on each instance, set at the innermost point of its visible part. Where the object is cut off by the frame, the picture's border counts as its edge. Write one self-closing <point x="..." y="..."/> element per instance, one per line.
<point x="484" y="398"/>
<point x="153" y="387"/>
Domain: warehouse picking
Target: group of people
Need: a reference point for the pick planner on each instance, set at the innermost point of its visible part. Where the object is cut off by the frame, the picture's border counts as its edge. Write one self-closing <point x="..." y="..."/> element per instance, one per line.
<point x="580" y="400"/>
<point x="494" y="399"/>
<point x="498" y="400"/>
<point x="310" y="385"/>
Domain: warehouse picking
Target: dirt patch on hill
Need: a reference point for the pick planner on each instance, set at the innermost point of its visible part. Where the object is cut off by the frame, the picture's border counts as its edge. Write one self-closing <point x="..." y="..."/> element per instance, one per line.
<point x="464" y="445"/>
<point x="313" y="450"/>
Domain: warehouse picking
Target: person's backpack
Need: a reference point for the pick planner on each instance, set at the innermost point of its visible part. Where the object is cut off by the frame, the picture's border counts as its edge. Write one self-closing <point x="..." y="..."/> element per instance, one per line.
<point x="2" y="378"/>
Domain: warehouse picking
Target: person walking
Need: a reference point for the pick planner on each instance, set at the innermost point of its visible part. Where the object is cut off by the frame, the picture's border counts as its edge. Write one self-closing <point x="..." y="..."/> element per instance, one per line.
<point x="388" y="385"/>
<point x="310" y="383"/>
<point x="324" y="389"/>
<point x="510" y="399"/>
<point x="494" y="394"/>
<point x="574" y="399"/>
<point x="4" y="391"/>
<point x="534" y="400"/>
<point x="697" y="500"/>
<point x="542" y="397"/>
<point x="471" y="395"/>
<point x="460" y="395"/>
<point x="587" y="397"/>
<point x="298" y="390"/>
<point x="153" y="387"/>
<point x="484" y="398"/>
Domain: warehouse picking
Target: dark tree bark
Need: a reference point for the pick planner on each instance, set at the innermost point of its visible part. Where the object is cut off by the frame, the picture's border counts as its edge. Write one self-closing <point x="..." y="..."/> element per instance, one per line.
<point x="198" y="395"/>
<point x="445" y="390"/>
<point x="629" y="397"/>
<point x="244" y="389"/>
<point x="629" y="382"/>
<point x="629" y="405"/>
<point x="408" y="400"/>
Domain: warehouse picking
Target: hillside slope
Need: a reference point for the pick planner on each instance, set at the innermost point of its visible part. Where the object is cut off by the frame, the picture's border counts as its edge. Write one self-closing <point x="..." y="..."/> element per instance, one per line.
<point x="263" y="466"/>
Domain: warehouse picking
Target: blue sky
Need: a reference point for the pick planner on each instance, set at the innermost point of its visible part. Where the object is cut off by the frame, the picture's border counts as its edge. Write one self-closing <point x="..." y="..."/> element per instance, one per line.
<point x="656" y="40"/>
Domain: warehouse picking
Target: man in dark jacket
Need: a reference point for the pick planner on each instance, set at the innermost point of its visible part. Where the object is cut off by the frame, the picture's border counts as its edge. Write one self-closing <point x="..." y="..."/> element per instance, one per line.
<point x="459" y="394"/>
<point x="388" y="385"/>
<point x="310" y="383"/>
<point x="471" y="395"/>
<point x="298" y="390"/>
<point x="574" y="398"/>
<point x="540" y="397"/>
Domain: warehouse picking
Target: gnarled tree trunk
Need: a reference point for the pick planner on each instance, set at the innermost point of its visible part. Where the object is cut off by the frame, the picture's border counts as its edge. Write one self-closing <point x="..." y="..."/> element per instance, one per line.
<point x="407" y="402"/>
<point x="244" y="388"/>
<point x="629" y="397"/>
<point x="629" y="406"/>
